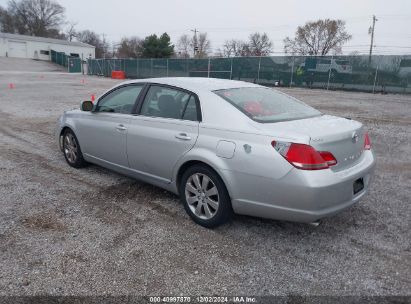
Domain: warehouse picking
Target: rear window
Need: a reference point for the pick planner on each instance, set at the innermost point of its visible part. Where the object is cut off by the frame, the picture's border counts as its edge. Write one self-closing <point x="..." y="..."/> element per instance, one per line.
<point x="267" y="105"/>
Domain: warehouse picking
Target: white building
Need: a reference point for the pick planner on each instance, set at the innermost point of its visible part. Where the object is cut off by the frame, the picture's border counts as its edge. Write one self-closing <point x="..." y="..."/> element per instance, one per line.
<point x="22" y="46"/>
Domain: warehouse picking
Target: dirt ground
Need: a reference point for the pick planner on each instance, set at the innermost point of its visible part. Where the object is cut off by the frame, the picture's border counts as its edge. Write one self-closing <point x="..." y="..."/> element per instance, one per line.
<point x="93" y="232"/>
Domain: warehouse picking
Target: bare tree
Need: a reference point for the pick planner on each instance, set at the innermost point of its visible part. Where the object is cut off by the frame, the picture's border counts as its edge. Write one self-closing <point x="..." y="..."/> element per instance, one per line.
<point x="71" y="31"/>
<point x="6" y="21"/>
<point x="318" y="38"/>
<point x="37" y="17"/>
<point x="184" y="48"/>
<point x="260" y="44"/>
<point x="204" y="46"/>
<point x="94" y="39"/>
<point x="234" y="48"/>
<point x="130" y="47"/>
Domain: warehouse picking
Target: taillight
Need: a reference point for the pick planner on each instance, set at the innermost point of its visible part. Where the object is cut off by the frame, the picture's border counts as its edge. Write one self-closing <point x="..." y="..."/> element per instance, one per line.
<point x="328" y="157"/>
<point x="304" y="156"/>
<point x="367" y="142"/>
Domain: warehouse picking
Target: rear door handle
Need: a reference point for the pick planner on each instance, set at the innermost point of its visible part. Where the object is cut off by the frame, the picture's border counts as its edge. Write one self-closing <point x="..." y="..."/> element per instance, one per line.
<point x="183" y="136"/>
<point x="121" y="127"/>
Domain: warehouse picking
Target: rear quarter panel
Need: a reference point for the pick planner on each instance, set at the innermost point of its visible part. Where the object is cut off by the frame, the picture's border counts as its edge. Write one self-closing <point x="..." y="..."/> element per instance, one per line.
<point x="253" y="156"/>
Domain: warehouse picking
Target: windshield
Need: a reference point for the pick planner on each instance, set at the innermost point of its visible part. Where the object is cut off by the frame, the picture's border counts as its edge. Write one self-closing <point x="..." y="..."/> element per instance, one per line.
<point x="267" y="105"/>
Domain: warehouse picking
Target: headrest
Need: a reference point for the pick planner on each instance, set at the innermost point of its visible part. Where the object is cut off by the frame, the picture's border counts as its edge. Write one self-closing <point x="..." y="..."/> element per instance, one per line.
<point x="166" y="101"/>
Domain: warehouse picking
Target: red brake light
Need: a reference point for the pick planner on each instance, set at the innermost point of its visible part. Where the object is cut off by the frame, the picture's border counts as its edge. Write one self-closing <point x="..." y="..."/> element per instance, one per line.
<point x="329" y="158"/>
<point x="304" y="156"/>
<point x="367" y="142"/>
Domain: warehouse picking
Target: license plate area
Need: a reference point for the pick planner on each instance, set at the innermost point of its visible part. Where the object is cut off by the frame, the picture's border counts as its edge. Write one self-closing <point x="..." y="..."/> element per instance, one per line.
<point x="358" y="185"/>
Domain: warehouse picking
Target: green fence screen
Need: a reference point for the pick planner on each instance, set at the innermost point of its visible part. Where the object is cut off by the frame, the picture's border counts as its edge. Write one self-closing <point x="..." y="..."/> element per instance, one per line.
<point x="73" y="64"/>
<point x="356" y="73"/>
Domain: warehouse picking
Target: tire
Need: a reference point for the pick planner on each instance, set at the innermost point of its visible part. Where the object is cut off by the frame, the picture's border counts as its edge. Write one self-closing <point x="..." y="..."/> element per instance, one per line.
<point x="72" y="151"/>
<point x="205" y="197"/>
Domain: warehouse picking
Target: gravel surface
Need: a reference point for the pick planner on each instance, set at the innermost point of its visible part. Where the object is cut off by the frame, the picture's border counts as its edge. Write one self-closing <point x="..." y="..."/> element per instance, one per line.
<point x="93" y="232"/>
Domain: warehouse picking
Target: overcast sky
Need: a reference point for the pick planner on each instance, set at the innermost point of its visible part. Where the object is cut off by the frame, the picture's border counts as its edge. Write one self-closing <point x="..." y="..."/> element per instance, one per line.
<point x="228" y="19"/>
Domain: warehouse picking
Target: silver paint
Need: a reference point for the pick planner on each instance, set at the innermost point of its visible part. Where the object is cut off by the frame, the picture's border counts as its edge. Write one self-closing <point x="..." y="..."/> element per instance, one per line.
<point x="261" y="183"/>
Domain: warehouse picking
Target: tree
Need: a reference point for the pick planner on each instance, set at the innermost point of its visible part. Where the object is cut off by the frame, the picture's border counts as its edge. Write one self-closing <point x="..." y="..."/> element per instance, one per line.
<point x="203" y="45"/>
<point x="71" y="32"/>
<point x="236" y="48"/>
<point x="186" y="46"/>
<point x="157" y="47"/>
<point x="318" y="38"/>
<point x="130" y="48"/>
<point x="94" y="39"/>
<point x="36" y="17"/>
<point x="260" y="44"/>
<point x="6" y="21"/>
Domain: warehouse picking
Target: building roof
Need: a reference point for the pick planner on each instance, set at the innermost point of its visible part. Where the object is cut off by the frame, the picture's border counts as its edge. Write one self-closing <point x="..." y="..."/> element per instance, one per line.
<point x="43" y="39"/>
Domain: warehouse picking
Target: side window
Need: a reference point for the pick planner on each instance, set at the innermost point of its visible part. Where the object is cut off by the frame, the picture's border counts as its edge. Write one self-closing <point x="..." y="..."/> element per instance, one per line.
<point x="190" y="112"/>
<point x="120" y="101"/>
<point x="168" y="103"/>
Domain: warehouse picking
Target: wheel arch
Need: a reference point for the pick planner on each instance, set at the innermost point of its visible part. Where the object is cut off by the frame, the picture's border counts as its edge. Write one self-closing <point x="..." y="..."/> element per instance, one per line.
<point x="60" y="137"/>
<point x="62" y="131"/>
<point x="197" y="161"/>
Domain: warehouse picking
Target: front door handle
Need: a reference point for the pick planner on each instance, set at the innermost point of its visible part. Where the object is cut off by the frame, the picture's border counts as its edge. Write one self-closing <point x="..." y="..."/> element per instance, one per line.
<point x="183" y="136"/>
<point x="121" y="127"/>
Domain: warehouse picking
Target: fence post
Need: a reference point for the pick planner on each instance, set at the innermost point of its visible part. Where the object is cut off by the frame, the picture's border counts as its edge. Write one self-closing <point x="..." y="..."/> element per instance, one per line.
<point x="167" y="67"/>
<point x="151" y="68"/>
<point x="259" y="67"/>
<point x="292" y="73"/>
<point x="375" y="77"/>
<point x="231" y="69"/>
<point x="329" y="73"/>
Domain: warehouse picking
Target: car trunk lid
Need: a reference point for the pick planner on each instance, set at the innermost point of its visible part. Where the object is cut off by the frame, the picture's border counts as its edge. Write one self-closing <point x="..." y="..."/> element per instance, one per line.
<point x="344" y="138"/>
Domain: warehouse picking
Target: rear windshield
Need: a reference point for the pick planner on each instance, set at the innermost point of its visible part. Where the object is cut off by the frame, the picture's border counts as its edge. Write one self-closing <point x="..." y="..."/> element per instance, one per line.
<point x="267" y="105"/>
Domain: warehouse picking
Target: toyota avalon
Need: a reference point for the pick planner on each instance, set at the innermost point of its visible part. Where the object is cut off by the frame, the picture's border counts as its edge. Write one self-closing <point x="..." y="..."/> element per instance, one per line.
<point x="224" y="147"/>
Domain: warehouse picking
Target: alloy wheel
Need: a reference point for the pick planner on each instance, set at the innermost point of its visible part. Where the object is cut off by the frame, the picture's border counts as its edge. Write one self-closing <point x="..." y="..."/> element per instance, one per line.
<point x="202" y="196"/>
<point x="70" y="148"/>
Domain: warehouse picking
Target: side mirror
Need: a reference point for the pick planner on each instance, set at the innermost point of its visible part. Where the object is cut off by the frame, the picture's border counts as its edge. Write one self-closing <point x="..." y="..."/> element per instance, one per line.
<point x="86" y="106"/>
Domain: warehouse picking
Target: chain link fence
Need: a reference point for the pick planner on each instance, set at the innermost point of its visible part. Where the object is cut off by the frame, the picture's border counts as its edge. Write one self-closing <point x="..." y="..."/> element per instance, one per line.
<point x="73" y="64"/>
<point x="381" y="73"/>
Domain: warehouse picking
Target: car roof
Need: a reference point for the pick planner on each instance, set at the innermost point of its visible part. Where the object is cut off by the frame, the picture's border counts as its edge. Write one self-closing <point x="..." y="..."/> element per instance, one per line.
<point x="198" y="84"/>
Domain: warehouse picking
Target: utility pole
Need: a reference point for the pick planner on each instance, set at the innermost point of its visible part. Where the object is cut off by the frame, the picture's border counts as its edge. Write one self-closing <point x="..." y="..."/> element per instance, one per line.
<point x="195" y="42"/>
<point x="371" y="31"/>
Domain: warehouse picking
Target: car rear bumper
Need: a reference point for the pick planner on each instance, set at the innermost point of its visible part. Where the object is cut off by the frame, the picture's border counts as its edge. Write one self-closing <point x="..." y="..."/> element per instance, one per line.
<point x="301" y="196"/>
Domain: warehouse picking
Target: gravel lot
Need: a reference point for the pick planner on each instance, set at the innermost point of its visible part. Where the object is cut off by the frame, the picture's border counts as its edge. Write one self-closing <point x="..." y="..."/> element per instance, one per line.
<point x="86" y="232"/>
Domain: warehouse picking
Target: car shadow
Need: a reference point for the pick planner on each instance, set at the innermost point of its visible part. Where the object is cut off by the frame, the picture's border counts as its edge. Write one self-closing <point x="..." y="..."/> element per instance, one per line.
<point x="168" y="204"/>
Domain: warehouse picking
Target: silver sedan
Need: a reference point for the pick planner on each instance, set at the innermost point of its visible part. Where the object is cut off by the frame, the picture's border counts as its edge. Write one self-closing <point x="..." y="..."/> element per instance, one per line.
<point x="224" y="146"/>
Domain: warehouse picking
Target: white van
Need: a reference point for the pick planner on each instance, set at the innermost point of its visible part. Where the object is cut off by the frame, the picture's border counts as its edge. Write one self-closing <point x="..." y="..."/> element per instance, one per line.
<point x="323" y="65"/>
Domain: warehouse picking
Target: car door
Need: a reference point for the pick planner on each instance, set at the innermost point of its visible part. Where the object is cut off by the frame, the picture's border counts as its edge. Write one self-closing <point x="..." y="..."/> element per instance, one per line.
<point x="104" y="131"/>
<point x="165" y="128"/>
